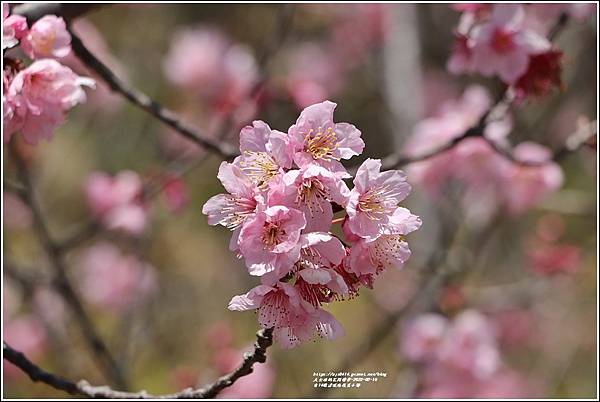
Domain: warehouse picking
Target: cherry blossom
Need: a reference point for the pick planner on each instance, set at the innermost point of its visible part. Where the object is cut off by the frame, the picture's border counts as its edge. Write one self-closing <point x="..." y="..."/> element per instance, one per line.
<point x="282" y="192"/>
<point x="39" y="97"/>
<point x="14" y="28"/>
<point x="113" y="280"/>
<point x="47" y="37"/>
<point x="373" y="203"/>
<point x="317" y="139"/>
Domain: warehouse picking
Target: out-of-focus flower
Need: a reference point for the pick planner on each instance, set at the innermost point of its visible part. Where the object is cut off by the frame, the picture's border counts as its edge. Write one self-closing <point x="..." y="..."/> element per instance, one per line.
<point x="115" y="281"/>
<point x="552" y="259"/>
<point x="542" y="75"/>
<point x="204" y="60"/>
<point x="459" y="358"/>
<point x="175" y="192"/>
<point x="117" y="201"/>
<point x="39" y="97"/>
<point x="47" y="37"/>
<point x="26" y="334"/>
<point x="530" y="184"/>
<point x="14" y="27"/>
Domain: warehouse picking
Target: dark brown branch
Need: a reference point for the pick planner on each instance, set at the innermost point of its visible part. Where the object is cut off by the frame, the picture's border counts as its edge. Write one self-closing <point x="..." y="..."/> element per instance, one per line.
<point x="61" y="281"/>
<point x="264" y="339"/>
<point x="35" y="11"/>
<point x="144" y="102"/>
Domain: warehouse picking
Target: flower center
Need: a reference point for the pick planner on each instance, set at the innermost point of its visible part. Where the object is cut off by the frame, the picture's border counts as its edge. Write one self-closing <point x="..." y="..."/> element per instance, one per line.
<point x="377" y="201"/>
<point x="386" y="250"/>
<point x="311" y="193"/>
<point x="260" y="167"/>
<point x="322" y="144"/>
<point x="502" y="41"/>
<point x="236" y="210"/>
<point x="272" y="235"/>
<point x="45" y="43"/>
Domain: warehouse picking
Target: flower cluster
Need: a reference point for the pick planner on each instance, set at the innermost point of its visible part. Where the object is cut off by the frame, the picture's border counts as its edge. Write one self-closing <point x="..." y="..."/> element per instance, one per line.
<point x="36" y="98"/>
<point x="460" y="358"/>
<point x="282" y="193"/>
<point x="482" y="173"/>
<point x="509" y="40"/>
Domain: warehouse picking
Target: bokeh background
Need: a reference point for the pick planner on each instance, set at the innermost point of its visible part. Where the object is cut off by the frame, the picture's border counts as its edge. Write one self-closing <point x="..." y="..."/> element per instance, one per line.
<point x="385" y="66"/>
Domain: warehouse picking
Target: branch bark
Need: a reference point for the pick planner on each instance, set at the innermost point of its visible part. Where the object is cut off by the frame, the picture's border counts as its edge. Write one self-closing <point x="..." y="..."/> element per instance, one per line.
<point x="264" y="339"/>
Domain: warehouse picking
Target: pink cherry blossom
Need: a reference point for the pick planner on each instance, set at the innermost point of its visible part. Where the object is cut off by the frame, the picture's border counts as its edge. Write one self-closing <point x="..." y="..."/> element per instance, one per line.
<point x="311" y="190"/>
<point x="204" y="60"/>
<point x="117" y="201"/>
<point x="264" y="153"/>
<point x="15" y="215"/>
<point x="470" y="344"/>
<point x="386" y="251"/>
<point x="237" y="206"/>
<point x="502" y="46"/>
<point x="373" y="203"/>
<point x="313" y="75"/>
<point x="112" y="280"/>
<point x="422" y="337"/>
<point x="307" y="324"/>
<point x="14" y="28"/>
<point x="270" y="240"/>
<point x="275" y="304"/>
<point x="529" y="185"/>
<point x="552" y="259"/>
<point x="47" y="37"/>
<point x="317" y="139"/>
<point x="40" y="95"/>
<point x="26" y="334"/>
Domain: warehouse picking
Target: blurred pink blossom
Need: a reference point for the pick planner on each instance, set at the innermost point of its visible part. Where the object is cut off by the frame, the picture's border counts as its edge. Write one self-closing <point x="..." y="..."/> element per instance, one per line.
<point x="117" y="201"/>
<point x="26" y="334"/>
<point x="14" y="27"/>
<point x="47" y="37"/>
<point x="553" y="259"/>
<point x="39" y="97"/>
<point x="529" y="185"/>
<point x="113" y="280"/>
<point x="205" y="61"/>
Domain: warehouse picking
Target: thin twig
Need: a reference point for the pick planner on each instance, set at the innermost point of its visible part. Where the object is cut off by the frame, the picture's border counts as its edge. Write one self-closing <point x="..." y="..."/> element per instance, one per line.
<point x="61" y="281"/>
<point x="149" y="105"/>
<point x="264" y="339"/>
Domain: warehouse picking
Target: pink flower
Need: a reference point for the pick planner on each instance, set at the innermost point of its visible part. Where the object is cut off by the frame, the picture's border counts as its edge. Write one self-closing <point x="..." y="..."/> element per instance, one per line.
<point x="470" y="345"/>
<point x="317" y="139"/>
<point x="264" y="153"/>
<point x="14" y="28"/>
<point x="117" y="201"/>
<point x="48" y="37"/>
<point x="529" y="185"/>
<point x="235" y="207"/>
<point x="270" y="240"/>
<point x="386" y="251"/>
<point x="275" y="304"/>
<point x="313" y="76"/>
<point x="423" y="336"/>
<point x="373" y="203"/>
<point x="204" y="60"/>
<point x="115" y="281"/>
<point x="552" y="259"/>
<point x="501" y="46"/>
<point x="26" y="334"/>
<point x="307" y="324"/>
<point x="41" y="95"/>
<point x="311" y="190"/>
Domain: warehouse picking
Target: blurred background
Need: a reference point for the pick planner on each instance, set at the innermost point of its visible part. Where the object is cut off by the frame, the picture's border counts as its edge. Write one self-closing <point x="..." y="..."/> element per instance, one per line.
<point x="159" y="297"/>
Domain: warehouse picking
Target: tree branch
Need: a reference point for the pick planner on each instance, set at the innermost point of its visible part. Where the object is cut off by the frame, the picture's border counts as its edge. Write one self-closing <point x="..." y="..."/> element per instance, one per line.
<point x="61" y="281"/>
<point x="264" y="339"/>
<point x="144" y="102"/>
<point x="34" y="11"/>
